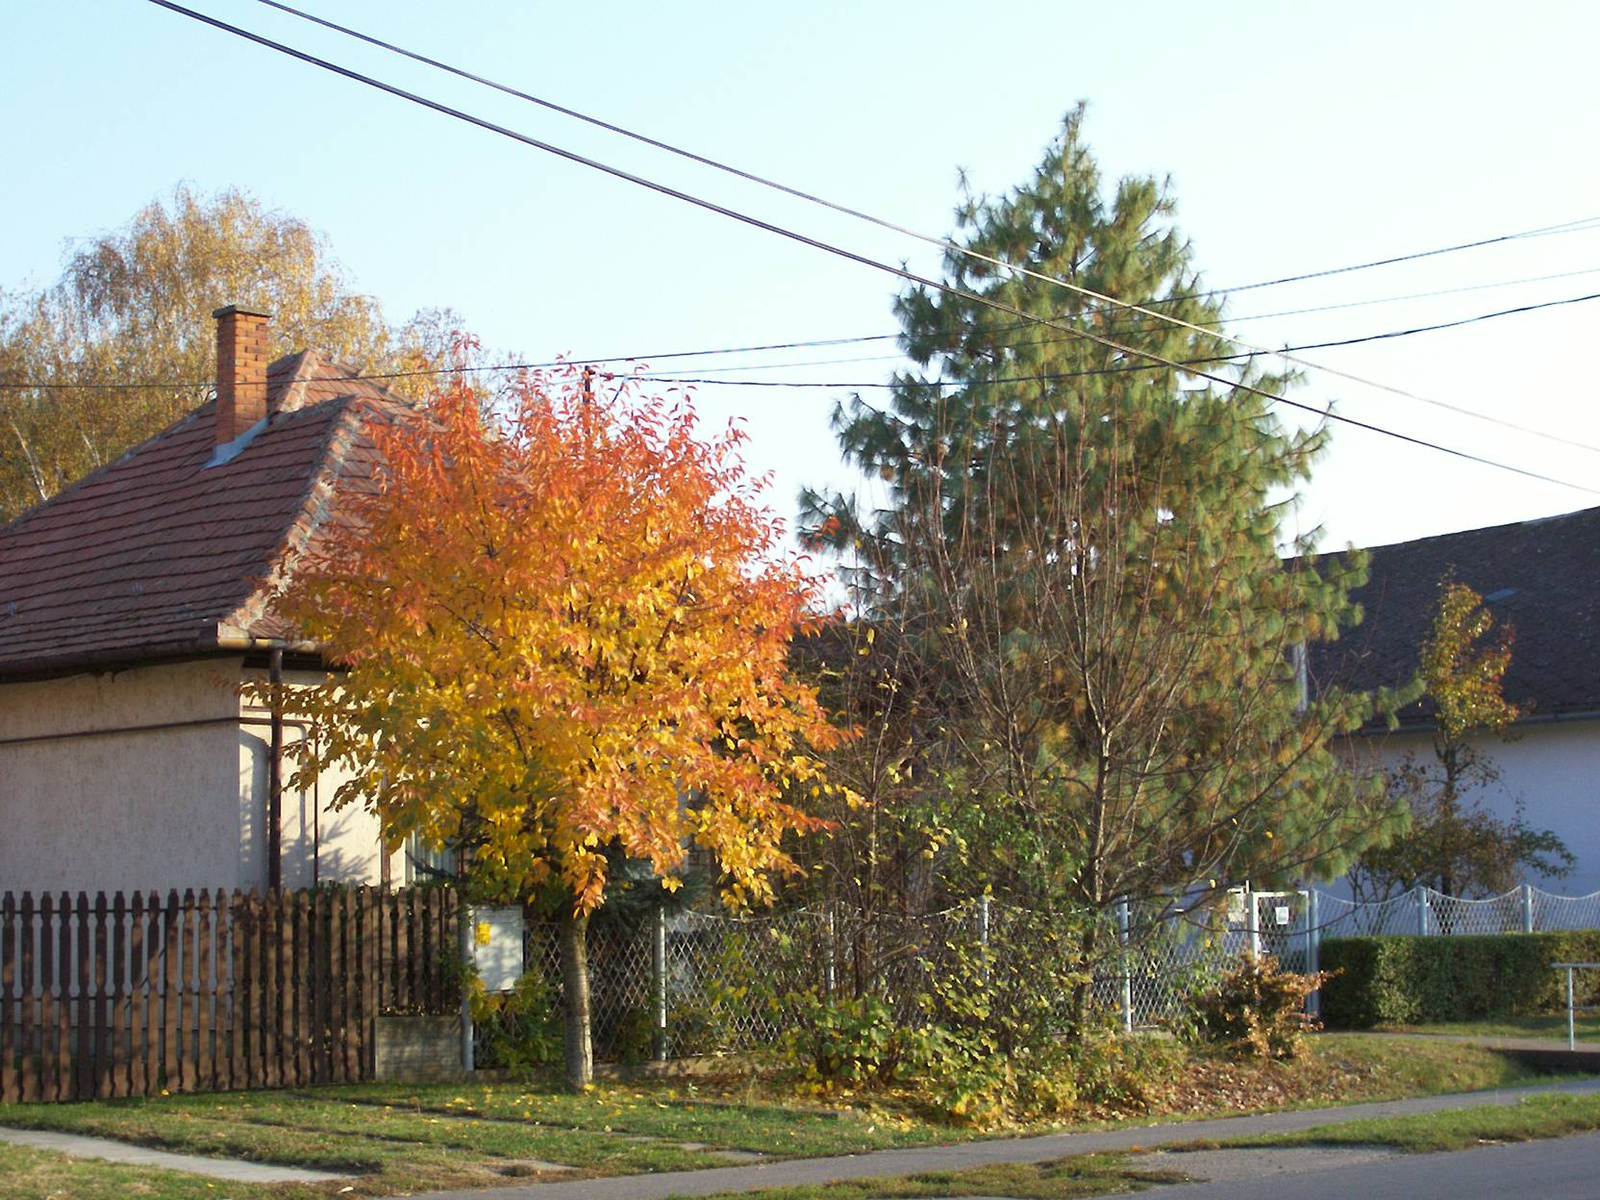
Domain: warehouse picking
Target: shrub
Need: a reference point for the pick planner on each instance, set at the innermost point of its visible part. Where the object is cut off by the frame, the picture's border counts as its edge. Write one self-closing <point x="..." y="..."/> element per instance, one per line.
<point x="1257" y="1010"/>
<point x="522" y="1028"/>
<point x="1414" y="980"/>
<point x="838" y="1042"/>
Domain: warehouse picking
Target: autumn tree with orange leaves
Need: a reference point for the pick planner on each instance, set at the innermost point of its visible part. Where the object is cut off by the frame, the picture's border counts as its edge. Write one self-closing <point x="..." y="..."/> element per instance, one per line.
<point x="561" y="638"/>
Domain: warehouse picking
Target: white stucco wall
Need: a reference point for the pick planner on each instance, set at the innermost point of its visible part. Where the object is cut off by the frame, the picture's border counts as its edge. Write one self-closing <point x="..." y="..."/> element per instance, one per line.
<point x="1553" y="767"/>
<point x="158" y="809"/>
<point x="142" y="811"/>
<point x="320" y="845"/>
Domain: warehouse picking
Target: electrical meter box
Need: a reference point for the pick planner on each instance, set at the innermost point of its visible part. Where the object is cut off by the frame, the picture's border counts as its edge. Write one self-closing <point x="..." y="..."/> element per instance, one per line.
<point x="497" y="946"/>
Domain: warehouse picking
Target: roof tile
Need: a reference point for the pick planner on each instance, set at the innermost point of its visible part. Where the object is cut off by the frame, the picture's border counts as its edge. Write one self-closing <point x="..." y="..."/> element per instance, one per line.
<point x="150" y="554"/>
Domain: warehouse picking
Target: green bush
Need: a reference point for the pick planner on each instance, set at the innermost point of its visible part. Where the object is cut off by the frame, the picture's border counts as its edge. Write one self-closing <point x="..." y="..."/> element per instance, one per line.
<point x="1257" y="1010"/>
<point x="843" y="1042"/>
<point x="522" y="1028"/>
<point x="1416" y="980"/>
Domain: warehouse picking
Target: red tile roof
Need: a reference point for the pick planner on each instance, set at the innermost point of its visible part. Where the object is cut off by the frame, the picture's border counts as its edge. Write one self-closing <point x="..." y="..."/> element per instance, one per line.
<point x="159" y="555"/>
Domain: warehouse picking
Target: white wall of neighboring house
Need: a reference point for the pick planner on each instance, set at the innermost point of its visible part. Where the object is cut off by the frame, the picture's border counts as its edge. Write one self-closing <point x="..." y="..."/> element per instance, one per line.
<point x="123" y="808"/>
<point x="1553" y="767"/>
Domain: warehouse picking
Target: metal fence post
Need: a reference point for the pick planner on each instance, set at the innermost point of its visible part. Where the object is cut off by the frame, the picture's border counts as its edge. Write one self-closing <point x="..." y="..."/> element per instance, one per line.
<point x="830" y="932"/>
<point x="1313" y="950"/>
<point x="1527" y="908"/>
<point x="1254" y="923"/>
<point x="1127" y="977"/>
<point x="464" y="941"/>
<point x="658" y="980"/>
<point x="1422" y="910"/>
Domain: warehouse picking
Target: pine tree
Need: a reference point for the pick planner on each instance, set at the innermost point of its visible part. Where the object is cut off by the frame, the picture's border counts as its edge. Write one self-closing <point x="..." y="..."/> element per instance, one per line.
<point x="1084" y="548"/>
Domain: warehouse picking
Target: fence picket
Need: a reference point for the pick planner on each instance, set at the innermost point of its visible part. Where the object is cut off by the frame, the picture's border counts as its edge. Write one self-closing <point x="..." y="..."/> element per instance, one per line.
<point x="10" y="1085"/>
<point x="154" y="941"/>
<point x="135" y="997"/>
<point x="205" y="996"/>
<point x="304" y="1025"/>
<point x="366" y="978"/>
<point x="402" y="950"/>
<point x="65" y="1084"/>
<point x="124" y="994"/>
<point x="285" y="996"/>
<point x="27" y="1025"/>
<point x="120" y="1059"/>
<point x="171" y="998"/>
<point x="236" y="1069"/>
<point x="101" y="1036"/>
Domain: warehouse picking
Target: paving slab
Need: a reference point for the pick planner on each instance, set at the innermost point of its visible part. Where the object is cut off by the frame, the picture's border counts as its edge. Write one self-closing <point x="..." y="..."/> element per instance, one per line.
<point x="964" y="1155"/>
<point x="237" y="1170"/>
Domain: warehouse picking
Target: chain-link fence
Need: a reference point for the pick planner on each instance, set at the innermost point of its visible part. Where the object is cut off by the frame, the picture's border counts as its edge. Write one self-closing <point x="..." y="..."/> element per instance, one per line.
<point x="691" y="983"/>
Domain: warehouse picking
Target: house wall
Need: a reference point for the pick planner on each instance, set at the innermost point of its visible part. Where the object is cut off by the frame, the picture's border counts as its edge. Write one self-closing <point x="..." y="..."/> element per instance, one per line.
<point x="166" y="808"/>
<point x="146" y="810"/>
<point x="1553" y="768"/>
<point x="320" y="845"/>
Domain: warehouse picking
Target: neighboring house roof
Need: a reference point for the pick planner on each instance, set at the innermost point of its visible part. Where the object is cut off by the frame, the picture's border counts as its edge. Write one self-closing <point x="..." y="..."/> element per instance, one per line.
<point x="159" y="555"/>
<point x="1542" y="577"/>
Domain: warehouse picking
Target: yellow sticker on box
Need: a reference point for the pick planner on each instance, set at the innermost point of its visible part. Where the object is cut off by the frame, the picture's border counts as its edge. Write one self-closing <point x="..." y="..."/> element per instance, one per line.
<point x="482" y="933"/>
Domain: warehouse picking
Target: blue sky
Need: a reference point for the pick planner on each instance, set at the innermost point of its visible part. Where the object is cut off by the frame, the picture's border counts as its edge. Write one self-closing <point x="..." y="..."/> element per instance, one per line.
<point x="1297" y="137"/>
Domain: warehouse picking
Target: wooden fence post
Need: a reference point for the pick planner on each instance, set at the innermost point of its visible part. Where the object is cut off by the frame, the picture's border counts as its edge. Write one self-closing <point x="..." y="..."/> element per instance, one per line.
<point x="27" y="1025"/>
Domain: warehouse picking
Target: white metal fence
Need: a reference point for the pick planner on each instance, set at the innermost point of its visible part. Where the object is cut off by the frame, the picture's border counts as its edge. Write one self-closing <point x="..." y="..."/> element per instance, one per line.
<point x="696" y="983"/>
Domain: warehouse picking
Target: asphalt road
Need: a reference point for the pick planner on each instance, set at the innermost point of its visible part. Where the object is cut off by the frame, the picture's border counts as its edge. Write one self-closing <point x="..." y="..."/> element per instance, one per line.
<point x="1037" y="1149"/>
<point x="1558" y="1169"/>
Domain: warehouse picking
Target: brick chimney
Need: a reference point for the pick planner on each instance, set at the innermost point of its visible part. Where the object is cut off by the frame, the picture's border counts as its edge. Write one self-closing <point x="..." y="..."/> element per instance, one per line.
<point x="241" y="370"/>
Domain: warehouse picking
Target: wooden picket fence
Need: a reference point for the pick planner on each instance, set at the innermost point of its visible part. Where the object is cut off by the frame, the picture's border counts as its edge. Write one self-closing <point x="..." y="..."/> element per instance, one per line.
<point x="130" y="996"/>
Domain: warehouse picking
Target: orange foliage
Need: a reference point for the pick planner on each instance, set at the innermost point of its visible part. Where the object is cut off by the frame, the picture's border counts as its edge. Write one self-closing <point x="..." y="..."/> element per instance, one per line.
<point x="565" y="630"/>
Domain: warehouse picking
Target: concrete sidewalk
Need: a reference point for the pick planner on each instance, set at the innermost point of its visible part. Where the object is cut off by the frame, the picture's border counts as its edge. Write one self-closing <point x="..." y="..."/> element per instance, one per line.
<point x="235" y="1170"/>
<point x="985" y="1153"/>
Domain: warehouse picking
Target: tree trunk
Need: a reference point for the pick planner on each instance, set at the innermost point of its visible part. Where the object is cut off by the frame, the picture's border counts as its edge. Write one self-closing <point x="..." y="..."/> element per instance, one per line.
<point x="1083" y="990"/>
<point x="578" y="1050"/>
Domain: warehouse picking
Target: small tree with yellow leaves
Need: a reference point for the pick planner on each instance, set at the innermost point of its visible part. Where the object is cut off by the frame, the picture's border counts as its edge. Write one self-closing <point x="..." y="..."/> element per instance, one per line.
<point x="562" y="638"/>
<point x="1455" y="844"/>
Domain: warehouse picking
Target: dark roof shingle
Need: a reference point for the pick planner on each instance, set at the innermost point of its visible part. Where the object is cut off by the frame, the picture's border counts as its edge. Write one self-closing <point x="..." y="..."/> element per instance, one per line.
<point x="1542" y="577"/>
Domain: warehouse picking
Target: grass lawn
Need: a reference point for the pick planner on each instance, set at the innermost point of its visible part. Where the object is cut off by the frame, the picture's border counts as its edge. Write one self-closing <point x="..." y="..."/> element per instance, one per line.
<point x="1586" y="1025"/>
<point x="1530" y="1119"/>
<point x="390" y="1138"/>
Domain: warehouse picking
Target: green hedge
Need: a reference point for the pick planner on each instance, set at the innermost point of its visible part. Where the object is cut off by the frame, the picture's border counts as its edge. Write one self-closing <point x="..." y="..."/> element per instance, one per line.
<point x="1417" y="980"/>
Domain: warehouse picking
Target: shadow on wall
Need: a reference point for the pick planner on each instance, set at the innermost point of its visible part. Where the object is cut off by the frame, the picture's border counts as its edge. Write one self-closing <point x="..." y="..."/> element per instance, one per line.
<point x="318" y="846"/>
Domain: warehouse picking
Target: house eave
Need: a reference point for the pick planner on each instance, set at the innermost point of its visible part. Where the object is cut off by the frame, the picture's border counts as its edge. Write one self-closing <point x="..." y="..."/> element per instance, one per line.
<point x="1536" y="718"/>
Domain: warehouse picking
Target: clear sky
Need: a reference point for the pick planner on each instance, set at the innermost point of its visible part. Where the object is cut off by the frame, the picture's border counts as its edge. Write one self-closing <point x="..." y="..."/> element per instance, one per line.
<point x="1296" y="136"/>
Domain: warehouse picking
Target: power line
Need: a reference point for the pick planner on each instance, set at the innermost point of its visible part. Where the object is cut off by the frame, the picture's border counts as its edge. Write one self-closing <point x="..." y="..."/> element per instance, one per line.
<point x="944" y="243"/>
<point x="829" y="248"/>
<point x="672" y="376"/>
<point x="1579" y="225"/>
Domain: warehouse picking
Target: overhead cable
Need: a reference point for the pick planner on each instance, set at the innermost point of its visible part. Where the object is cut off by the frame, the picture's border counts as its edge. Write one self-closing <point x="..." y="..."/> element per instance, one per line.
<point x="901" y="272"/>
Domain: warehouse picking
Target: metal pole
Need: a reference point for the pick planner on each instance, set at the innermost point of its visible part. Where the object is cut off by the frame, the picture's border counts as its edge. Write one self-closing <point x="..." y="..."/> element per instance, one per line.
<point x="1572" y="1031"/>
<point x="1422" y="910"/>
<point x="1127" y="977"/>
<point x="275" y="774"/>
<point x="1254" y="926"/>
<point x="464" y="943"/>
<point x="1527" y="908"/>
<point x="1313" y="950"/>
<point x="658" y="980"/>
<point x="830" y="935"/>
